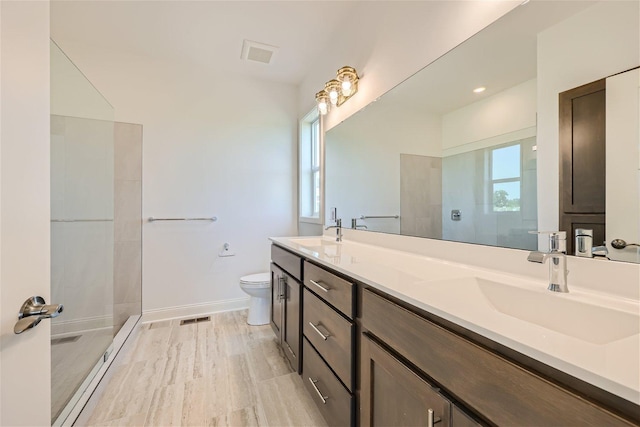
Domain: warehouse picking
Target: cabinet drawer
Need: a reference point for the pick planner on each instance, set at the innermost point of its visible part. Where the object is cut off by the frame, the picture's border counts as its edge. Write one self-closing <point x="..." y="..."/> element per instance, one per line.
<point x="335" y="402"/>
<point x="331" y="334"/>
<point x="289" y="262"/>
<point x="331" y="288"/>
<point x="504" y="393"/>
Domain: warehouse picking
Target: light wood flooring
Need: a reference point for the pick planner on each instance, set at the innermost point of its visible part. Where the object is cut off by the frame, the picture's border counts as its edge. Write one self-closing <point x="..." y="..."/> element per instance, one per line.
<point x="218" y="373"/>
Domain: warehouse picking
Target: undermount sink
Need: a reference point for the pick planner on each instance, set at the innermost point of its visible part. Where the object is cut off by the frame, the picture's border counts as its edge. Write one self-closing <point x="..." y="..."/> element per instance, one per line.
<point x="558" y="312"/>
<point x="312" y="242"/>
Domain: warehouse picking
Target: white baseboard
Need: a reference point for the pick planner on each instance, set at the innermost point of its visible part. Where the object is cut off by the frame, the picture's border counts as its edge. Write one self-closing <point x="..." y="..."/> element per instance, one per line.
<point x="63" y="327"/>
<point x="191" y="310"/>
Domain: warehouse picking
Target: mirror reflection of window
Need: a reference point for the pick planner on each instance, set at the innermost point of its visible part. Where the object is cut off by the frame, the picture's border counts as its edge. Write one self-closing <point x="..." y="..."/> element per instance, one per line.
<point x="506" y="176"/>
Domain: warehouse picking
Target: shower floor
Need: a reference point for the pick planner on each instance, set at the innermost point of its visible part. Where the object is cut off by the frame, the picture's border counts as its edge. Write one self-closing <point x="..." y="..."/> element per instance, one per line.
<point x="73" y="356"/>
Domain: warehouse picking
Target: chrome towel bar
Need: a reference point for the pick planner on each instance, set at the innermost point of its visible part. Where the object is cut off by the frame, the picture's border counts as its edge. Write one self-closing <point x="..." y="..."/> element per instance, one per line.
<point x="379" y="216"/>
<point x="81" y="220"/>
<point x="213" y="218"/>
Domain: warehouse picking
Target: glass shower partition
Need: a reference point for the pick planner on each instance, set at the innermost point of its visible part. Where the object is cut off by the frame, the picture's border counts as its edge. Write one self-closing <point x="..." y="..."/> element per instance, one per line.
<point x="82" y="232"/>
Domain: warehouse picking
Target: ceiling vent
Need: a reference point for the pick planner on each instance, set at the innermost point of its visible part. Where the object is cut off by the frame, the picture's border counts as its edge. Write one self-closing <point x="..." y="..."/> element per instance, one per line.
<point x="258" y="52"/>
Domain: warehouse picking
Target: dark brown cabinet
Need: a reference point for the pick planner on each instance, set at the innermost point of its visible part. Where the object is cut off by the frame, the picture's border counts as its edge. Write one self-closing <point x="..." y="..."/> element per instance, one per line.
<point x="329" y="343"/>
<point x="392" y="394"/>
<point x="334" y="401"/>
<point x="370" y="359"/>
<point x="331" y="335"/>
<point x="286" y="299"/>
<point x="483" y="381"/>
<point x="582" y="160"/>
<point x="277" y="299"/>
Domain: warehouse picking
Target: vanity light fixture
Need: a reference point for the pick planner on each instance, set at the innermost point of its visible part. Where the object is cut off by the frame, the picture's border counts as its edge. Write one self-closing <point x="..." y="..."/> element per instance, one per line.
<point x="322" y="99"/>
<point x="479" y="89"/>
<point x="337" y="91"/>
<point x="332" y="87"/>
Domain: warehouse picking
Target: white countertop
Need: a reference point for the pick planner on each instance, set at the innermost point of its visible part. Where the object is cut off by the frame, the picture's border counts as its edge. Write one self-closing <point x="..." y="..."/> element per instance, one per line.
<point x="601" y="347"/>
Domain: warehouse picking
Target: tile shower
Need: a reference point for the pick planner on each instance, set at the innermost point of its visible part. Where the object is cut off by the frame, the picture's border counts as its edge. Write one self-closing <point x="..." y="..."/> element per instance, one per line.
<point x="96" y="234"/>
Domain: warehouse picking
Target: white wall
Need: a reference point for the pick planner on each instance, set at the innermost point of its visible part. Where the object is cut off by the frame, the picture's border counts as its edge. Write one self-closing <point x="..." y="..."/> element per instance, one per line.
<point x="394" y="41"/>
<point x="563" y="64"/>
<point x="211" y="146"/>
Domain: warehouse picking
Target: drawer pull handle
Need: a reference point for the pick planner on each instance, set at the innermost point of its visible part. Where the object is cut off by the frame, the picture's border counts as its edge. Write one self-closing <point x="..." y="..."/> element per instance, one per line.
<point x="315" y="387"/>
<point x="318" y="284"/>
<point x="431" y="419"/>
<point x="315" y="328"/>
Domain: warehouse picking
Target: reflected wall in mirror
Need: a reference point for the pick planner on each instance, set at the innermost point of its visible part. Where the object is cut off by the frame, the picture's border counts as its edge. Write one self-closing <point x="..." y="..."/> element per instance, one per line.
<point x="483" y="167"/>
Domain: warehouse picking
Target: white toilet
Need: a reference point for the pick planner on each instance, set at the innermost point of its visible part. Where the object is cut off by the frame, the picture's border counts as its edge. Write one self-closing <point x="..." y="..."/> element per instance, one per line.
<point x="258" y="286"/>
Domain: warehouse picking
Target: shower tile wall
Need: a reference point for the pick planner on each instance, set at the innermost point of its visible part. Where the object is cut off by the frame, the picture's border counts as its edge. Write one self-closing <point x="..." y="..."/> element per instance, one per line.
<point x="81" y="226"/>
<point x="127" y="223"/>
<point x="421" y="196"/>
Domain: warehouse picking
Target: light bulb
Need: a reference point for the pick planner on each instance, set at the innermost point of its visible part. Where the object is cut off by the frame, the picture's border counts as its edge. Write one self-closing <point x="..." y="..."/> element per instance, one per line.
<point x="322" y="99"/>
<point x="333" y="97"/>
<point x="346" y="88"/>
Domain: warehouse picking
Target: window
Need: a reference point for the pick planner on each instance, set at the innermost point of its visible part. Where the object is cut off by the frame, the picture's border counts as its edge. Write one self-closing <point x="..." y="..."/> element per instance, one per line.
<point x="315" y="167"/>
<point x="309" y="165"/>
<point x="506" y="178"/>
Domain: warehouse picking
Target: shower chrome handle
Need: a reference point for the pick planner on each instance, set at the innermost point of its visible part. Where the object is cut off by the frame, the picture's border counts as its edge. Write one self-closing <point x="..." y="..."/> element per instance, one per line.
<point x="33" y="311"/>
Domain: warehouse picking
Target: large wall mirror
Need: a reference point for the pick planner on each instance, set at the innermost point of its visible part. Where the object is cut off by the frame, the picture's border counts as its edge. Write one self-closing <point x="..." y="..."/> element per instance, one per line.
<point x="433" y="158"/>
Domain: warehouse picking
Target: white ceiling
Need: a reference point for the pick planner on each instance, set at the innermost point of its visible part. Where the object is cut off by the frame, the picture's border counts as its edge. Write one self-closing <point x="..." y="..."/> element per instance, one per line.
<point x="205" y="33"/>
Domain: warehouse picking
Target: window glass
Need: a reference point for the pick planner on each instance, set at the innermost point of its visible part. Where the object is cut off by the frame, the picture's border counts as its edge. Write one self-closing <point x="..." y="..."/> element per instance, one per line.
<point x="506" y="171"/>
<point x="309" y="165"/>
<point x="505" y="162"/>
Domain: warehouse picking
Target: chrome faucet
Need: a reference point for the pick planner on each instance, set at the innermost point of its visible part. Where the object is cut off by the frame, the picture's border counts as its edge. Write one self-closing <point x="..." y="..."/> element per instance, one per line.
<point x="338" y="228"/>
<point x="558" y="265"/>
<point x="355" y="226"/>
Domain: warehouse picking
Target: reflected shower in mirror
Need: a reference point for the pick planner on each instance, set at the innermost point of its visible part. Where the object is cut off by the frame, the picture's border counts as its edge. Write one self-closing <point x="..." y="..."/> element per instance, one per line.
<point x="467" y="148"/>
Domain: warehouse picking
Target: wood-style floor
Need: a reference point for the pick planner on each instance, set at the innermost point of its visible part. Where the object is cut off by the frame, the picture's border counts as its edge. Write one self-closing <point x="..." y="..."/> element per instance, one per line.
<point x="218" y="373"/>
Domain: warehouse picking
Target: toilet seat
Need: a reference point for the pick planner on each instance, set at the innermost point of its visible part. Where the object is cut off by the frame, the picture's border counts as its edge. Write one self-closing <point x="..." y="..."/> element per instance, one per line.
<point x="259" y="280"/>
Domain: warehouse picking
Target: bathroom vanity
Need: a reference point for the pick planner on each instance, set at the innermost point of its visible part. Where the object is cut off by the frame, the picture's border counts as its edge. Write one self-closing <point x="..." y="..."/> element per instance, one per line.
<point x="395" y="338"/>
<point x="286" y="273"/>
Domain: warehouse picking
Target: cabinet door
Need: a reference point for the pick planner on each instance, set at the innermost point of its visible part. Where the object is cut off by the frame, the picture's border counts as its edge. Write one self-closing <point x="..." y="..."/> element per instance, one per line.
<point x="291" y="333"/>
<point x="277" y="291"/>
<point x="460" y="419"/>
<point x="393" y="395"/>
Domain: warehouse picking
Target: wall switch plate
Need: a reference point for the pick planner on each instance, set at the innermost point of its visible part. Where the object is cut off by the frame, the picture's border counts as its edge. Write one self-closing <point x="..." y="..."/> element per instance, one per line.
<point x="456" y="215"/>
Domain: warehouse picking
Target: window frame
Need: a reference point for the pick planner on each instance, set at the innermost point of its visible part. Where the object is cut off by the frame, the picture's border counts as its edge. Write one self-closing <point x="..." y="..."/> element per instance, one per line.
<point x="310" y="164"/>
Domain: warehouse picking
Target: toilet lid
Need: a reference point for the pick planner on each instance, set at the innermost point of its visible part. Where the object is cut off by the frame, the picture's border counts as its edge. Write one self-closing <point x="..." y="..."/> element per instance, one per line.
<point x="256" y="279"/>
